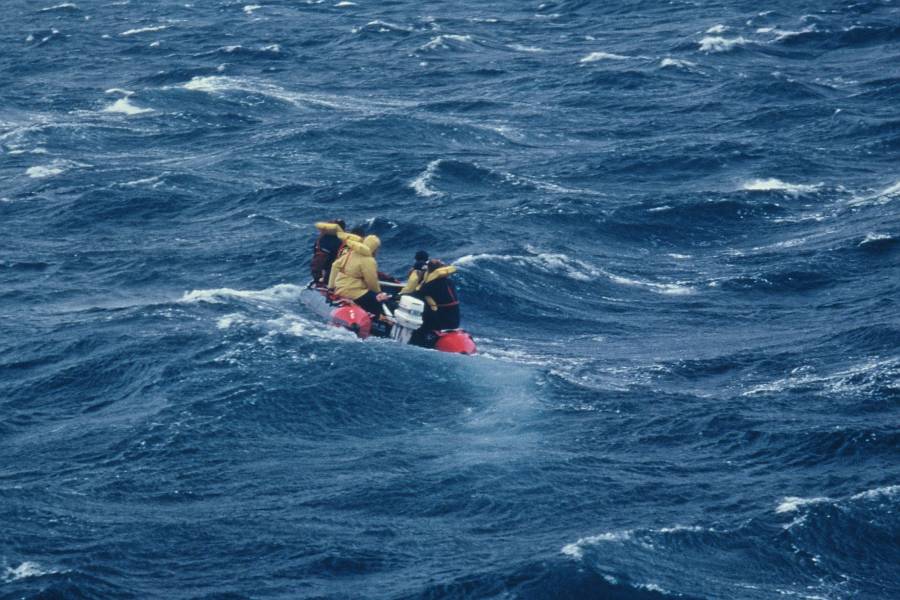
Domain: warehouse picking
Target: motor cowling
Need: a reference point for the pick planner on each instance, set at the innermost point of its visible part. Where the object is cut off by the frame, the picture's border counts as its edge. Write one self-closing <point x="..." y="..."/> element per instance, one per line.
<point x="407" y="318"/>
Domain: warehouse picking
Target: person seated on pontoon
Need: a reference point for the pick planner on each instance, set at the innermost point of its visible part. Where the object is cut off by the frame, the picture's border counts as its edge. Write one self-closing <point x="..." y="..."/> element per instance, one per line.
<point x="354" y="275"/>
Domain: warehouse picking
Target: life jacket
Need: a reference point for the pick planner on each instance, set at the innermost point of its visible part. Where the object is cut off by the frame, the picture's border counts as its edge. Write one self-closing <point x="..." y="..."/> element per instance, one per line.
<point x="438" y="290"/>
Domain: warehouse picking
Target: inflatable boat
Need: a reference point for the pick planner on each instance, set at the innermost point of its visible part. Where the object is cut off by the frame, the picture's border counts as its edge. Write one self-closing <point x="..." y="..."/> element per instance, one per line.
<point x="403" y="324"/>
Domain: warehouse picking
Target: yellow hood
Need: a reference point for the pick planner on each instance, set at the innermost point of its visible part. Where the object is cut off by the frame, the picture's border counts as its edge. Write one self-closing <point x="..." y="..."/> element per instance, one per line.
<point x="366" y="247"/>
<point x="373" y="243"/>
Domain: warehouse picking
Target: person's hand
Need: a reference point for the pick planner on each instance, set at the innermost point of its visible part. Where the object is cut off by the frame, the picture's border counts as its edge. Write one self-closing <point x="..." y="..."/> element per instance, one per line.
<point x="382" y="297"/>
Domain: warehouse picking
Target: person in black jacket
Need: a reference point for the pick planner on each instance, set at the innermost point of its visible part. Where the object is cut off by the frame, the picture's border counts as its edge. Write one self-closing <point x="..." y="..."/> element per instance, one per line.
<point x="439" y="294"/>
<point x="325" y="250"/>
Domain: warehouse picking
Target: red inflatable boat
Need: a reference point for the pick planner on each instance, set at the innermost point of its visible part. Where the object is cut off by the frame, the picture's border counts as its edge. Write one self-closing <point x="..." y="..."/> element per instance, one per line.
<point x="404" y="324"/>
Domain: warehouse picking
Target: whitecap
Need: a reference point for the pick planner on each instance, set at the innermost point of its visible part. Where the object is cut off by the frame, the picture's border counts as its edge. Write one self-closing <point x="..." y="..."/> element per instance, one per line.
<point x="872" y="238"/>
<point x="669" y="289"/>
<point x="598" y="56"/>
<point x="652" y="587"/>
<point x="553" y="264"/>
<point x="155" y="180"/>
<point x="216" y="84"/>
<point x="382" y="27"/>
<point x="228" y="320"/>
<point x="284" y="292"/>
<point x="676" y="62"/>
<point x="717" y="29"/>
<point x="17" y="151"/>
<point x="520" y="180"/>
<point x="248" y="9"/>
<point x="344" y="4"/>
<point x="209" y="84"/>
<point x="25" y="570"/>
<point x="882" y="197"/>
<point x="291" y="324"/>
<point x="576" y="549"/>
<point x="856" y="378"/>
<point x="420" y="183"/>
<point x="125" y="107"/>
<point x="510" y="133"/>
<point x="793" y="503"/>
<point x="63" y="6"/>
<point x="790" y="243"/>
<point x="680" y="528"/>
<point x="43" y="171"/>
<point x="720" y="44"/>
<point x="523" y="48"/>
<point x="144" y="30"/>
<point x="441" y="41"/>
<point x="889" y="491"/>
<point x="772" y="184"/>
<point x="781" y="35"/>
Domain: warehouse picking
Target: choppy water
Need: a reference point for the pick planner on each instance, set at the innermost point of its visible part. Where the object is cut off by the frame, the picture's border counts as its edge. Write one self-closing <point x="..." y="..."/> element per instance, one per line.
<point x="677" y="227"/>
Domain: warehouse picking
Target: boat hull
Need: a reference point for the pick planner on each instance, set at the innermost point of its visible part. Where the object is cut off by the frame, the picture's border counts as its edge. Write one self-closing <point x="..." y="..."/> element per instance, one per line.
<point x="341" y="312"/>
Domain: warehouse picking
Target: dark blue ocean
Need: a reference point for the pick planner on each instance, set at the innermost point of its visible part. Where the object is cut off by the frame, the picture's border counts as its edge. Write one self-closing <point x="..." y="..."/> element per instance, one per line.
<point x="677" y="226"/>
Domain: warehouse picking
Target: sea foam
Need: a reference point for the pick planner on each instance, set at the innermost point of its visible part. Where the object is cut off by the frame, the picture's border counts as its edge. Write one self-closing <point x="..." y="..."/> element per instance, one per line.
<point x="720" y="44"/>
<point x="576" y="549"/>
<point x="125" y="107"/>
<point x="772" y="185"/>
<point x="143" y="30"/>
<point x="43" y="171"/>
<point x="278" y="293"/>
<point x="24" y="571"/>
<point x="420" y="183"/>
<point x="598" y="56"/>
<point x="793" y="503"/>
<point x="63" y="6"/>
<point x="551" y="263"/>
<point x="676" y="62"/>
<point x="440" y="42"/>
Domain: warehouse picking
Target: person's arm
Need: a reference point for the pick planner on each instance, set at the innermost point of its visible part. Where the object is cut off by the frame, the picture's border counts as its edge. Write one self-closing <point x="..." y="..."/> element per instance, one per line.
<point x="411" y="284"/>
<point x="370" y="275"/>
<point x="332" y="276"/>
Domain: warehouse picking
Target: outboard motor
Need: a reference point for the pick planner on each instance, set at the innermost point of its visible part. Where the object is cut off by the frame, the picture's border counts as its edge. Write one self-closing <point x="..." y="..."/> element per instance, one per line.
<point x="407" y="318"/>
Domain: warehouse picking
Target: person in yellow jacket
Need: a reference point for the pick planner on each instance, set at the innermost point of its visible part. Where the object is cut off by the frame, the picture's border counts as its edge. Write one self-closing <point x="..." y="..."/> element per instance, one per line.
<point x="433" y="285"/>
<point x="416" y="273"/>
<point x="354" y="275"/>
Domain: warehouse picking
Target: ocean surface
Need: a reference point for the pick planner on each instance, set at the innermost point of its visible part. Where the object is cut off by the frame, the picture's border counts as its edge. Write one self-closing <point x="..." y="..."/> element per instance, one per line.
<point x="678" y="232"/>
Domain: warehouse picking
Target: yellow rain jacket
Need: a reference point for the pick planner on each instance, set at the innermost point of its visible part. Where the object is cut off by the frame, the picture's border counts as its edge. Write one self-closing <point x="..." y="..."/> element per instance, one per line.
<point x="335" y="229"/>
<point x="355" y="272"/>
<point x="414" y="285"/>
<point x="332" y="228"/>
